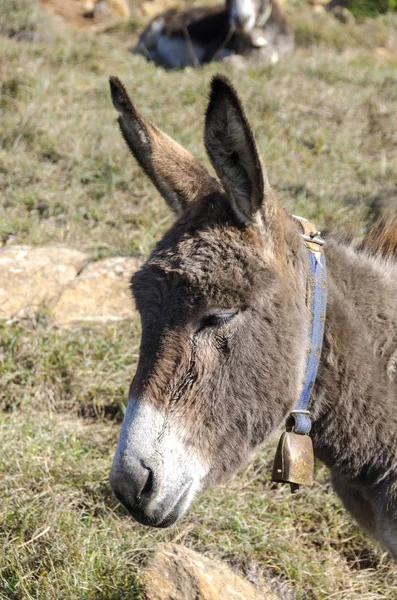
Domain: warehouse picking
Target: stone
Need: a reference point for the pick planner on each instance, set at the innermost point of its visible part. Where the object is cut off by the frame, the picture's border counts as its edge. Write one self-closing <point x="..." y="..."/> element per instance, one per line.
<point x="109" y="8"/>
<point x="63" y="281"/>
<point x="88" y="7"/>
<point x="99" y="294"/>
<point x="34" y="277"/>
<point x="177" y="573"/>
<point x="152" y="8"/>
<point x="87" y="14"/>
<point x="119" y="8"/>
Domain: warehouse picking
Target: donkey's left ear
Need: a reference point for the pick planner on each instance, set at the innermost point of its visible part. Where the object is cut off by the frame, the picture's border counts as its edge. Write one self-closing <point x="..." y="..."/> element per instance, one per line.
<point x="179" y="177"/>
<point x="232" y="150"/>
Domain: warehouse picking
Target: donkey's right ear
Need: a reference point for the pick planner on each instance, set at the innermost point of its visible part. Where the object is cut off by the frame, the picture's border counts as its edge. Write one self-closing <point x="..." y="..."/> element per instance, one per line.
<point x="231" y="147"/>
<point x="179" y="178"/>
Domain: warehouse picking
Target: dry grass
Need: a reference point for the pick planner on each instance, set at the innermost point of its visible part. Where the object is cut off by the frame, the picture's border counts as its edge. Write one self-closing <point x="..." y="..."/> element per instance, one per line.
<point x="63" y="536"/>
<point x="325" y="121"/>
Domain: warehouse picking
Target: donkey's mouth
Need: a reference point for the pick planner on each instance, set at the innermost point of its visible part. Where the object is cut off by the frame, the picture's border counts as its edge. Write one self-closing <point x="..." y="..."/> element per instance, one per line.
<point x="144" y="519"/>
<point x="160" y="517"/>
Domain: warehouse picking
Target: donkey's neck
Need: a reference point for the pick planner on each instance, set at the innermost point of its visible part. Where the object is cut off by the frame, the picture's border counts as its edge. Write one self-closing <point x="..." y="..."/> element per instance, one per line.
<point x="354" y="401"/>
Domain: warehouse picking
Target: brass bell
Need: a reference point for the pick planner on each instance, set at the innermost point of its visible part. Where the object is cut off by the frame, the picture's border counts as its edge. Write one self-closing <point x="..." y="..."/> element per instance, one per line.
<point x="294" y="460"/>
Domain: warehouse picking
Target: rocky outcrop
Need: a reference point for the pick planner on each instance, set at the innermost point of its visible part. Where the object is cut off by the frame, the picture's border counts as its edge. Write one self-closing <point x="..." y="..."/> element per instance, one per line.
<point x="64" y="282"/>
<point x="87" y="14"/>
<point x="177" y="573"/>
<point x="32" y="277"/>
<point x="99" y="294"/>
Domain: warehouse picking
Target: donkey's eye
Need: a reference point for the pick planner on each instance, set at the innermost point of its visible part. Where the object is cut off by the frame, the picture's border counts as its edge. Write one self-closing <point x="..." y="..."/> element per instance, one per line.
<point x="217" y="318"/>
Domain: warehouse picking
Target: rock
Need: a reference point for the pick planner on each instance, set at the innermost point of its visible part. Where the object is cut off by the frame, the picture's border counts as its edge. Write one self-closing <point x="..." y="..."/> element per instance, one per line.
<point x="30" y="277"/>
<point x="119" y="8"/>
<point x="62" y="280"/>
<point x="99" y="294"/>
<point x="152" y="8"/>
<point x="177" y="573"/>
<point x="88" y="7"/>
<point x="87" y="14"/>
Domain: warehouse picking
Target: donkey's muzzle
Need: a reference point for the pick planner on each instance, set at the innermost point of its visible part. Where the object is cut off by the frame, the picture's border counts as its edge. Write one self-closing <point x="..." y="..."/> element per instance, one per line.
<point x="139" y="490"/>
<point x="143" y="507"/>
<point x="154" y="475"/>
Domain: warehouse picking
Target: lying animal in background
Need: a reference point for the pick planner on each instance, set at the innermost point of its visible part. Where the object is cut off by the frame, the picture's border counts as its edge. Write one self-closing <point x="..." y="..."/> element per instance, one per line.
<point x="192" y="37"/>
<point x="225" y="333"/>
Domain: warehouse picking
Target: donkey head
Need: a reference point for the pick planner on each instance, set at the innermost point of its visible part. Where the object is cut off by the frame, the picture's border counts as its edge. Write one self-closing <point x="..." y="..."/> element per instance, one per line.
<point x="244" y="14"/>
<point x="222" y="306"/>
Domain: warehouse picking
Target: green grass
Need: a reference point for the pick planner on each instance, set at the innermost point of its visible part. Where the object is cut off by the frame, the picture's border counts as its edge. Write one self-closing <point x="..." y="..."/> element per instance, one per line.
<point x="44" y="368"/>
<point x="63" y="536"/>
<point x="325" y="121"/>
<point x="371" y="8"/>
<point x="20" y="19"/>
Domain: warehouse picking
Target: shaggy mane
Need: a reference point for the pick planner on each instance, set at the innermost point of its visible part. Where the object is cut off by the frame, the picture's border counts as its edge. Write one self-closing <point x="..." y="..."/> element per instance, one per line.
<point x="381" y="238"/>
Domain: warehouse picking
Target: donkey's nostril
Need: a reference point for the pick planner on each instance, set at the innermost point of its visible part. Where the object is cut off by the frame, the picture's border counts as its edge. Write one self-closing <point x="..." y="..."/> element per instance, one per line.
<point x="148" y="487"/>
<point x="133" y="486"/>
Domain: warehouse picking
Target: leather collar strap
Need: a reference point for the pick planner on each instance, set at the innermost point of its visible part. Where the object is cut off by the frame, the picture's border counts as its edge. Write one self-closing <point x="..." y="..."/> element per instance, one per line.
<point x="316" y="303"/>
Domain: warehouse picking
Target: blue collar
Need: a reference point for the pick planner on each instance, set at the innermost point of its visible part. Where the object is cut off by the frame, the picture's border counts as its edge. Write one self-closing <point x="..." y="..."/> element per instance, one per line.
<point x="316" y="303"/>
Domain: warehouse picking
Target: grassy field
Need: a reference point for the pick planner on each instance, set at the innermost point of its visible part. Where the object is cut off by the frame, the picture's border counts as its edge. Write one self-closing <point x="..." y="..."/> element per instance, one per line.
<point x="326" y="124"/>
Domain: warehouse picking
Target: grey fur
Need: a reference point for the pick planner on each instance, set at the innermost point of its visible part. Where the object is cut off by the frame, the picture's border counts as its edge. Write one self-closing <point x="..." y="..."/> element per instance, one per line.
<point x="229" y="384"/>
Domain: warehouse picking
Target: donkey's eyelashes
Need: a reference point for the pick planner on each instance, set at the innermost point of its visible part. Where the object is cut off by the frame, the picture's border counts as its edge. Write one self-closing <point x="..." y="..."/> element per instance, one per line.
<point x="217" y="318"/>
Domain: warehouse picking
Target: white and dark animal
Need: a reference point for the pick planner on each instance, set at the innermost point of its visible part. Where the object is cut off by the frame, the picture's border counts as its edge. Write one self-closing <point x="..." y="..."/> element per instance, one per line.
<point x="192" y="37"/>
<point x="222" y="300"/>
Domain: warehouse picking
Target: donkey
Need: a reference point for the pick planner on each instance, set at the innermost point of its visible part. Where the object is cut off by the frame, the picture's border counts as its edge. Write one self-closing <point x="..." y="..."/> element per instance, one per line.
<point x="192" y="37"/>
<point x="222" y="301"/>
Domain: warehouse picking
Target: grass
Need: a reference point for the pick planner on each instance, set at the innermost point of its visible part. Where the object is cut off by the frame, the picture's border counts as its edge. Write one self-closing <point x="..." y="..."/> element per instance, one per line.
<point x="364" y="8"/>
<point x="20" y="19"/>
<point x="325" y="121"/>
<point x="63" y="536"/>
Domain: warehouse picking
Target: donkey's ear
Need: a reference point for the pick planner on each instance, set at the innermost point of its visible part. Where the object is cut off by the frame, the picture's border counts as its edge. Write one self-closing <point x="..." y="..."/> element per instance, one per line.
<point x="179" y="178"/>
<point x="232" y="150"/>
